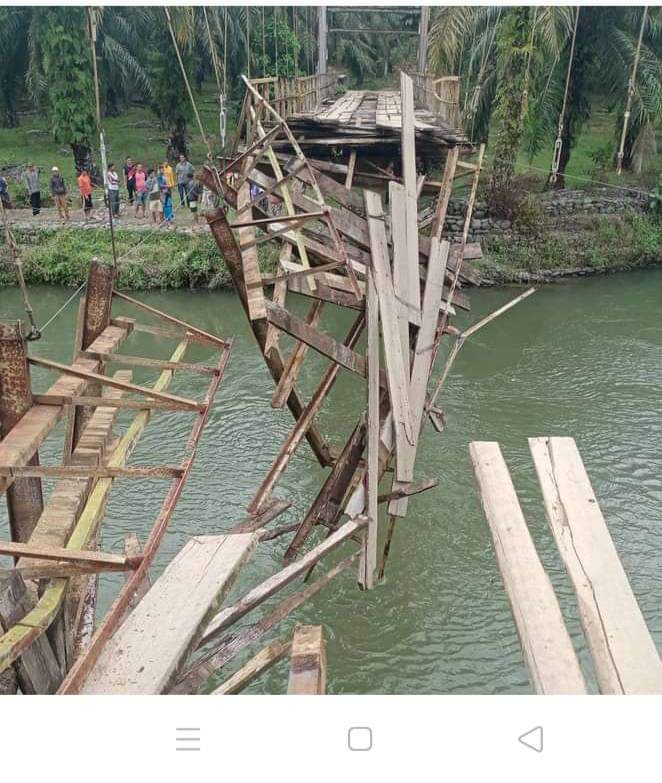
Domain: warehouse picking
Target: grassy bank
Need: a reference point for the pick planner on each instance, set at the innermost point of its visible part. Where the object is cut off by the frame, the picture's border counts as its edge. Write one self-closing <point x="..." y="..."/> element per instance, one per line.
<point x="596" y="243"/>
<point x="168" y="260"/>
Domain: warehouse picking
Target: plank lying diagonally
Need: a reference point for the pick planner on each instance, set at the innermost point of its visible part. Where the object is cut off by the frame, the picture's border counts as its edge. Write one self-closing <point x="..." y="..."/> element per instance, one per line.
<point x="624" y="654"/>
<point x="147" y="651"/>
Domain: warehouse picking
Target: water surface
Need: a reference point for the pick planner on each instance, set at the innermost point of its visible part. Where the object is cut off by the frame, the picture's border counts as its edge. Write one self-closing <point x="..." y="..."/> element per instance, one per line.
<point x="583" y="358"/>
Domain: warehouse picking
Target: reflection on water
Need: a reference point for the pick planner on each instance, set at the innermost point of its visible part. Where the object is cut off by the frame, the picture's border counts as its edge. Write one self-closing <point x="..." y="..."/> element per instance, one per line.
<point x="582" y="359"/>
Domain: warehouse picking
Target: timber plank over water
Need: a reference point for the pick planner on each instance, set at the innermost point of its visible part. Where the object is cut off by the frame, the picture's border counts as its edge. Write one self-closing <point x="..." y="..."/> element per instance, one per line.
<point x="547" y="649"/>
<point x="624" y="654"/>
<point x="145" y="654"/>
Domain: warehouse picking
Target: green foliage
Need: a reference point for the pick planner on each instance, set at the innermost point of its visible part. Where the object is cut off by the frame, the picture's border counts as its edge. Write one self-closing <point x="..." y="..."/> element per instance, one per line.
<point x="602" y="243"/>
<point x="166" y="260"/>
<point x="67" y="71"/>
<point x="513" y="55"/>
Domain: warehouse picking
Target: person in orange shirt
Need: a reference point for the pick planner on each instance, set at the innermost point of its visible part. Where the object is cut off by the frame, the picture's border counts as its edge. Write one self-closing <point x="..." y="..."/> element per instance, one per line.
<point x="85" y="189"/>
<point x="169" y="174"/>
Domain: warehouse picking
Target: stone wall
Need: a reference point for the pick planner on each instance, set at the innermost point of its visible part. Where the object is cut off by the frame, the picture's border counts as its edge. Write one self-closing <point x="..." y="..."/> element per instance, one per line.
<point x="557" y="208"/>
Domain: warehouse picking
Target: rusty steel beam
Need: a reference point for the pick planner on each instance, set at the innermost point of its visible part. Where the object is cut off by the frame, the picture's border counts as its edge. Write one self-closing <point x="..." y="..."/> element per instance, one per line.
<point x="95" y="318"/>
<point x="24" y="496"/>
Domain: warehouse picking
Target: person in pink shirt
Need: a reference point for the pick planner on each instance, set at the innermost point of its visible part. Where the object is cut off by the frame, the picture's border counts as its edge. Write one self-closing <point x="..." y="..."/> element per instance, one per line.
<point x="141" y="189"/>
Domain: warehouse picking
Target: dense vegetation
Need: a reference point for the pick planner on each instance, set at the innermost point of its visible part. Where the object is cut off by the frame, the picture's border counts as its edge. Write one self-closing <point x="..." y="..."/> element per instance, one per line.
<point x="512" y="60"/>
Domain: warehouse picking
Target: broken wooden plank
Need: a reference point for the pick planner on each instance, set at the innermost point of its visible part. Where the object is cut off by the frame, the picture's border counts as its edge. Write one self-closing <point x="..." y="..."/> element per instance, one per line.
<point x="16" y="549"/>
<point x="144" y="361"/>
<point x="398" y="380"/>
<point x="368" y="563"/>
<point x="256" y="666"/>
<point x="409" y="286"/>
<point x="293" y="364"/>
<point x="624" y="655"/>
<point x="37" y="669"/>
<point x="546" y="645"/>
<point x="231" y="645"/>
<point x="308" y="662"/>
<point x="422" y="366"/>
<point x="147" y="651"/>
<point x="228" y="616"/>
<point x="321" y="342"/>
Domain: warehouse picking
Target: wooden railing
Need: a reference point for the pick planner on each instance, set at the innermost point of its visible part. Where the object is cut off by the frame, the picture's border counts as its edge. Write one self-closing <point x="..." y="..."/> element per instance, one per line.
<point x="297" y="94"/>
<point x="440" y="95"/>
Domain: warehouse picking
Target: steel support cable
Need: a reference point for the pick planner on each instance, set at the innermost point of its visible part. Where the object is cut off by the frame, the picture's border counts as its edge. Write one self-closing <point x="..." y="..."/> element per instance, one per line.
<point x="631" y="91"/>
<point x="558" y="144"/>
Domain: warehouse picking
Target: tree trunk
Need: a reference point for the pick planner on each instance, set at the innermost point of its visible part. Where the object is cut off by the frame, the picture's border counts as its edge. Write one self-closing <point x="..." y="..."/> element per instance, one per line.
<point x="177" y="141"/>
<point x="84" y="161"/>
<point x="508" y="114"/>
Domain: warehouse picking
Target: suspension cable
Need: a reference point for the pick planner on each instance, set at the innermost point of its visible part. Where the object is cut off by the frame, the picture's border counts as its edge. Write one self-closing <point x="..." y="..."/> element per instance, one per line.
<point x="527" y="72"/>
<point x="276" y="37"/>
<point x="217" y="74"/>
<point x="14" y="257"/>
<point x="92" y="20"/>
<point x="558" y="144"/>
<point x="631" y="91"/>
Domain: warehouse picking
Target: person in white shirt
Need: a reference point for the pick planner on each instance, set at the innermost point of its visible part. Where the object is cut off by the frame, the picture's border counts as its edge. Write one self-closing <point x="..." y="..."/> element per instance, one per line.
<point x="113" y="183"/>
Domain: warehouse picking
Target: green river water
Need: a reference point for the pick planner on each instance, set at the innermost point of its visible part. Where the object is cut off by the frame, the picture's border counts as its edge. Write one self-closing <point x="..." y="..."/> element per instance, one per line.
<point x="582" y="358"/>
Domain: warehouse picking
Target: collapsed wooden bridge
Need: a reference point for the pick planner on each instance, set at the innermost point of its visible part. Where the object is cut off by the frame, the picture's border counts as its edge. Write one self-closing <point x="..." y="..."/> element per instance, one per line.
<point x="336" y="247"/>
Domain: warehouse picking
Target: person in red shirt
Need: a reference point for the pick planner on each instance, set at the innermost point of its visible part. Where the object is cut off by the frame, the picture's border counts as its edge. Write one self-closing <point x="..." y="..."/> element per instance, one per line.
<point x="85" y="189"/>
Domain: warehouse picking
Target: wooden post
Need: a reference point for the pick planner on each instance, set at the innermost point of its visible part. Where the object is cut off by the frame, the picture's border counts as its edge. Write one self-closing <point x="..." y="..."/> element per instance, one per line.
<point x="423" y="25"/>
<point x="24" y="496"/>
<point x="308" y="663"/>
<point x="322" y="44"/>
<point x="368" y="563"/>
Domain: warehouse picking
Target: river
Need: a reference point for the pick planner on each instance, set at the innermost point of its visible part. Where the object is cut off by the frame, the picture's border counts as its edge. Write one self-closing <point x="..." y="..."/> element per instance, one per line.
<point x="582" y="358"/>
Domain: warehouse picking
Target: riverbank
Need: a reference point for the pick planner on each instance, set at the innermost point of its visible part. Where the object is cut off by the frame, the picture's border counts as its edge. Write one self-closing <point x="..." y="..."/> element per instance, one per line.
<point x="185" y="256"/>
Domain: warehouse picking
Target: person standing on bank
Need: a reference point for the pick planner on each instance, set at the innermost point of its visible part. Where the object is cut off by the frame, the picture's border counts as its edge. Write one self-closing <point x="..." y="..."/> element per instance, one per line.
<point x="30" y="179"/>
<point x="141" y="189"/>
<point x="85" y="190"/>
<point x="113" y="184"/>
<point x="4" y="193"/>
<point x="59" y="193"/>
<point x="169" y="174"/>
<point x="184" y="171"/>
<point x="130" y="179"/>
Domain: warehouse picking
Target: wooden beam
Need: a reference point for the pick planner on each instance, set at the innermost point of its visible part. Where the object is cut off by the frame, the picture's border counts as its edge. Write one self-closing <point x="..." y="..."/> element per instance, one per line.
<point x="144" y="361"/>
<point x="105" y="380"/>
<point x="192" y="332"/>
<point x="321" y="342"/>
<point x="64" y="570"/>
<point x="368" y="563"/>
<point x="60" y="400"/>
<point x="15" y="549"/>
<point x="306" y="419"/>
<point x="624" y="655"/>
<point x="407" y="490"/>
<point x="445" y="190"/>
<point x="398" y="380"/>
<point x="249" y="261"/>
<point x="350" y="170"/>
<point x="85" y="471"/>
<point x="546" y="645"/>
<point x="408" y="286"/>
<point x="227" y="244"/>
<point x="421" y="367"/>
<point x="270" y="586"/>
<point x="231" y="645"/>
<point x="293" y="364"/>
<point x="147" y="651"/>
<point x="308" y="662"/>
<point x="37" y="669"/>
<point x="256" y="666"/>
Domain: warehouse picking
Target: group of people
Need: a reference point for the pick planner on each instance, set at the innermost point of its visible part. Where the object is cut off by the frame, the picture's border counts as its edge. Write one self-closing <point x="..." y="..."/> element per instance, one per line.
<point x="148" y="190"/>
